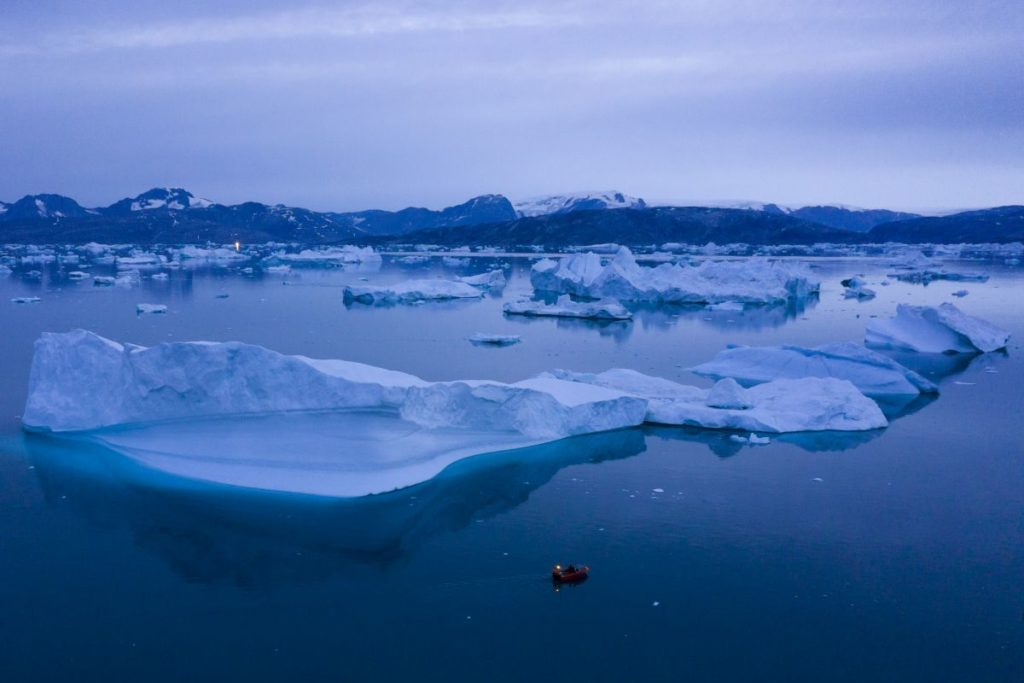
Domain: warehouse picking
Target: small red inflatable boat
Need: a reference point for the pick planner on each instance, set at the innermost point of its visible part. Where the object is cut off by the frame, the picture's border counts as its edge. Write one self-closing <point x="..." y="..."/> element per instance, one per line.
<point x="570" y="574"/>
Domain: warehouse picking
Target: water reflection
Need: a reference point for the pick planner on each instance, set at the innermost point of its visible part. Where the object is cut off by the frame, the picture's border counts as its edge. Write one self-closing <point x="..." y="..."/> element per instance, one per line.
<point x="220" y="535"/>
<point x="723" y="445"/>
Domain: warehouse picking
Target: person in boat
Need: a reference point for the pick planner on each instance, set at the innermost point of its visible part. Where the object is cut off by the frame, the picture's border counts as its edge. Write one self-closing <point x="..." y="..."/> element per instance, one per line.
<point x="571" y="569"/>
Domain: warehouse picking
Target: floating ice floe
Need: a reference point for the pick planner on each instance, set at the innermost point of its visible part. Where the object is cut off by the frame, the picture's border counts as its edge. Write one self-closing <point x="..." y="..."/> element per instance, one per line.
<point x="565" y="307"/>
<point x="326" y="256"/>
<point x="411" y="291"/>
<point x="454" y="261"/>
<point x="917" y="268"/>
<point x="143" y="309"/>
<point x="25" y="300"/>
<point x="871" y="372"/>
<point x="493" y="279"/>
<point x="755" y="281"/>
<point x="77" y="275"/>
<point x="856" y="288"/>
<point x="784" y="405"/>
<point x="753" y="439"/>
<point x="208" y="254"/>
<point x="160" y="276"/>
<point x="960" y="293"/>
<point x="495" y="339"/>
<point x="931" y="329"/>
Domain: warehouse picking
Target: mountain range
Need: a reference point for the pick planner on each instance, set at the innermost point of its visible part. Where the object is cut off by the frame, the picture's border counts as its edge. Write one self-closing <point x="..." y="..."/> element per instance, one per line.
<point x="174" y="215"/>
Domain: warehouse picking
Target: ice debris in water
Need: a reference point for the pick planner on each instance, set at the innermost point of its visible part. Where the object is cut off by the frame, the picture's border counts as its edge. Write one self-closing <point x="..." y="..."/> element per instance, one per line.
<point x="565" y="307"/>
<point x="856" y="288"/>
<point x="25" y="300"/>
<point x="871" y="372"/>
<point x="755" y="281"/>
<point x="783" y="405"/>
<point x="495" y="339"/>
<point x="141" y="309"/>
<point x="935" y="329"/>
<point x="411" y="291"/>
<point x="960" y="293"/>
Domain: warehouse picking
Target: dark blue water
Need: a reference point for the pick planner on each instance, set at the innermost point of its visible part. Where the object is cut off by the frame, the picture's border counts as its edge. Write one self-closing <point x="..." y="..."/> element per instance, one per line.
<point x="892" y="556"/>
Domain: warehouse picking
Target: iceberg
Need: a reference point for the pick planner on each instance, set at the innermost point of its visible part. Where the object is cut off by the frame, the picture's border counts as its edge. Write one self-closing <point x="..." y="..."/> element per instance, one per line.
<point x="327" y="256"/>
<point x="872" y="373"/>
<point x="565" y="307"/>
<point x="779" y="406"/>
<point x="752" y="281"/>
<point x="82" y="381"/>
<point x="143" y="309"/>
<point x="411" y="291"/>
<point x="935" y="329"/>
<point x="25" y="300"/>
<point x="77" y="275"/>
<point x="494" y="279"/>
<point x="482" y="339"/>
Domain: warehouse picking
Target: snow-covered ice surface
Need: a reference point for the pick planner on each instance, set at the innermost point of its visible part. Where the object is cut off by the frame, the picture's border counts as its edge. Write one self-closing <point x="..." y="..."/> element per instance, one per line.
<point x="412" y="291"/>
<point x="935" y="329"/>
<point x="755" y="281"/>
<point x="871" y="372"/>
<point x="783" y="405"/>
<point x="565" y="307"/>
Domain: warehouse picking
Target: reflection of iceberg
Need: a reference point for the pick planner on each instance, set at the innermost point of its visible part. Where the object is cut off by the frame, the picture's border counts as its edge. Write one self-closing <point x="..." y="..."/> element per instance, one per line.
<point x="751" y="317"/>
<point x="722" y="445"/>
<point x="253" y="539"/>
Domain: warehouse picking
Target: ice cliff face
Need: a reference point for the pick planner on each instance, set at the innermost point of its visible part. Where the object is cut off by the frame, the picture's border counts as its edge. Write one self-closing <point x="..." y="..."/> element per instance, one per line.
<point x="756" y="281"/>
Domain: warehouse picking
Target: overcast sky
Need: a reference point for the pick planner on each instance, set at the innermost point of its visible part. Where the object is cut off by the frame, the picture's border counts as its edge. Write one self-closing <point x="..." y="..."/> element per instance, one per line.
<point x="913" y="104"/>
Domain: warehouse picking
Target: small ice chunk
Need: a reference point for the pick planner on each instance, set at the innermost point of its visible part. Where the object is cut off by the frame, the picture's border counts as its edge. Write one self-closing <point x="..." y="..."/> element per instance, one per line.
<point x="142" y="309"/>
<point x="25" y="300"/>
<point x="77" y="275"/>
<point x="725" y="306"/>
<point x="960" y="293"/>
<point x="160" y="276"/>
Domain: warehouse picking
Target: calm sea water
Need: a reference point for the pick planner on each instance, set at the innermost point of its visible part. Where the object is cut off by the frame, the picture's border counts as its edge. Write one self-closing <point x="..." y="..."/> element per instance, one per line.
<point x="887" y="556"/>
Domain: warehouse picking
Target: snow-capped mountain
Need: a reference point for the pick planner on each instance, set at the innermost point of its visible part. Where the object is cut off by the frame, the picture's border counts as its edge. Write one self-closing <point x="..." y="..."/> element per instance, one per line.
<point x="159" y="198"/>
<point x="580" y="201"/>
<point x="44" y="206"/>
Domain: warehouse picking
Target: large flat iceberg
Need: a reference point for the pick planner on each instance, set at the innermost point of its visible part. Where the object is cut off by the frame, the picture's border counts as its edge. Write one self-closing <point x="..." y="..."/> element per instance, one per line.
<point x="935" y="329"/>
<point x="755" y="281"/>
<point x="81" y="381"/>
<point x="871" y="372"/>
<point x="565" y="307"/>
<point x="412" y="291"/>
<point x="784" y="405"/>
